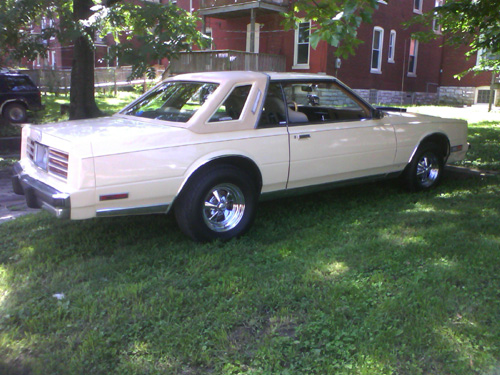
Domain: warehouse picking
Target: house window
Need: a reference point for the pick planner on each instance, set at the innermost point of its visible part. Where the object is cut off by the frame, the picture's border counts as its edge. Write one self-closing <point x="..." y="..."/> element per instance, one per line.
<point x="436" y="27"/>
<point x="481" y="55"/>
<point x="256" y="38"/>
<point x="208" y="33"/>
<point x="378" y="40"/>
<point x="392" y="46"/>
<point x="412" y="61"/>
<point x="301" y="53"/>
<point x="417" y="6"/>
<point x="483" y="96"/>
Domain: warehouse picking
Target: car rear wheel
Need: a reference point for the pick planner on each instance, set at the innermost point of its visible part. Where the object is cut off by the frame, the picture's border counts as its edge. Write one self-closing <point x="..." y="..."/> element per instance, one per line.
<point x="15" y="112"/>
<point x="425" y="169"/>
<point x="217" y="203"/>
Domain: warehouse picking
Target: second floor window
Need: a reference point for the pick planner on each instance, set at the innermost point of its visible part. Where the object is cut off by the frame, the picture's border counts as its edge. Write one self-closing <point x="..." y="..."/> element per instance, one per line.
<point x="417" y="6"/>
<point x="436" y="27"/>
<point x="378" y="40"/>
<point x="392" y="46"/>
<point x="301" y="53"/>
<point x="412" y="61"/>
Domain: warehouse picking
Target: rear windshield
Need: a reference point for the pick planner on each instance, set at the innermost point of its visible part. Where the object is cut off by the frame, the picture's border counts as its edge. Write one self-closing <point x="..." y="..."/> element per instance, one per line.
<point x="17" y="83"/>
<point x="172" y="101"/>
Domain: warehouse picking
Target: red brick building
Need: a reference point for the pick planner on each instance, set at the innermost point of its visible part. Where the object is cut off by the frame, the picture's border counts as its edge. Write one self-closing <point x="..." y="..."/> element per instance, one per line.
<point x="389" y="67"/>
<point x="61" y="56"/>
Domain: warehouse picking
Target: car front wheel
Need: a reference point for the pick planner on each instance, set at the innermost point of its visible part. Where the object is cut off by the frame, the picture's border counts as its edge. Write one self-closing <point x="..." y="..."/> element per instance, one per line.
<point x="15" y="112"/>
<point x="425" y="169"/>
<point x="217" y="203"/>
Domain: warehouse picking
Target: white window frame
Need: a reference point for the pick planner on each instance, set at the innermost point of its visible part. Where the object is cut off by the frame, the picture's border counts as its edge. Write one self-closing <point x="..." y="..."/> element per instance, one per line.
<point x="486" y="88"/>
<point x="436" y="27"/>
<point x="413" y="73"/>
<point x="209" y="32"/>
<point x="392" y="46"/>
<point x="256" y="37"/>
<point x="380" y="31"/>
<point x="297" y="65"/>
<point x="480" y="55"/>
<point x="53" y="59"/>
<point x="418" y="9"/>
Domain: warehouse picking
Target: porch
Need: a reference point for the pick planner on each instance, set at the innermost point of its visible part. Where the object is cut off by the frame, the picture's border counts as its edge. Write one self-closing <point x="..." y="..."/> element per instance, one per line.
<point x="238" y="8"/>
<point x="221" y="60"/>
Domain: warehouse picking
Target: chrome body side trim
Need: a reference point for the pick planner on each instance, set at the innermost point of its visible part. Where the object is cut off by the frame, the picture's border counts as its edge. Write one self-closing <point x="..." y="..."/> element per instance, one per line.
<point x="327" y="186"/>
<point x="143" y="210"/>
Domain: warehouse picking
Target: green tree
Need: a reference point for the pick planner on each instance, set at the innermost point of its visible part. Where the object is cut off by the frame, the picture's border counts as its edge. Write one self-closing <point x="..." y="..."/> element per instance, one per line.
<point x="334" y="21"/>
<point x="475" y="23"/>
<point x="143" y="33"/>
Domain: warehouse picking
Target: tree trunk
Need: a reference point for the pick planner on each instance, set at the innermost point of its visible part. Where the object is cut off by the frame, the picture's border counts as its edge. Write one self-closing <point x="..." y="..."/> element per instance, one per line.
<point x="82" y="98"/>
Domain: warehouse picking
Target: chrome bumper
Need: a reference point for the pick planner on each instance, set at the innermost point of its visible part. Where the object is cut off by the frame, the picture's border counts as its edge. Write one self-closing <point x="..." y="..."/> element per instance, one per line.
<point x="40" y="195"/>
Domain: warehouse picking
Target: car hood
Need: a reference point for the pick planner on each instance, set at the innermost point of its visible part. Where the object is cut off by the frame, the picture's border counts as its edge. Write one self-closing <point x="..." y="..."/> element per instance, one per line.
<point x="115" y="134"/>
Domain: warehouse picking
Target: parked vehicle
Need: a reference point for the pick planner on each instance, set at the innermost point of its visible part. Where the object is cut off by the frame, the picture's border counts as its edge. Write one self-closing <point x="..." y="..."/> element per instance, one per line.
<point x="208" y="146"/>
<point x="18" y="95"/>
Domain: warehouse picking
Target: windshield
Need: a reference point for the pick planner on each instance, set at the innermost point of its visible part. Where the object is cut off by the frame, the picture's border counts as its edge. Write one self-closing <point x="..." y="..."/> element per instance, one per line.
<point x="172" y="101"/>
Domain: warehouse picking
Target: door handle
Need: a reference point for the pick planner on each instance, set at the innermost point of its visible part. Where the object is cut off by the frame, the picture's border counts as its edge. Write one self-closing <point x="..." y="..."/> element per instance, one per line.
<point x="302" y="136"/>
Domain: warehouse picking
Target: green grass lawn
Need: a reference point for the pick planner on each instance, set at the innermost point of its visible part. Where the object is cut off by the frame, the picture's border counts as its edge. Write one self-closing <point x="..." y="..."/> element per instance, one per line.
<point x="361" y="280"/>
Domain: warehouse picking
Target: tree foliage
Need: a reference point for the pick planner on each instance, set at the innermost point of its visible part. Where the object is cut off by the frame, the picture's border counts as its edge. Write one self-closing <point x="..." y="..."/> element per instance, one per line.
<point x="144" y="33"/>
<point x="475" y="23"/>
<point x="334" y="21"/>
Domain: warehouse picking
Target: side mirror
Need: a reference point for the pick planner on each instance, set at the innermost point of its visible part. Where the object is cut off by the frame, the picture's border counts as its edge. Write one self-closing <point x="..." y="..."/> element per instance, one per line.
<point x="378" y="114"/>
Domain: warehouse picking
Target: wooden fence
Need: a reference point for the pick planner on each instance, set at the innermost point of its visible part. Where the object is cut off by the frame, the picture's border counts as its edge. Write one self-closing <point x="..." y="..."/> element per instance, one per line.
<point x="58" y="80"/>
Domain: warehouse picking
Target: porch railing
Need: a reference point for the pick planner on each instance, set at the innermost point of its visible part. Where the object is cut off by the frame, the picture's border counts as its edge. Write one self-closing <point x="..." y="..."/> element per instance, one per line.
<point x="204" y="4"/>
<point x="223" y="60"/>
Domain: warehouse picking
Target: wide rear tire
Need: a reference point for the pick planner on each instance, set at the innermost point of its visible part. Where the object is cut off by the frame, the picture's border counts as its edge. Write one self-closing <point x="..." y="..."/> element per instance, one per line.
<point x="219" y="202"/>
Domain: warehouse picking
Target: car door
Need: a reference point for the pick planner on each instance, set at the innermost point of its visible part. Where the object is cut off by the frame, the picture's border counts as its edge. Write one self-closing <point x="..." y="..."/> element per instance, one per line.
<point x="333" y="136"/>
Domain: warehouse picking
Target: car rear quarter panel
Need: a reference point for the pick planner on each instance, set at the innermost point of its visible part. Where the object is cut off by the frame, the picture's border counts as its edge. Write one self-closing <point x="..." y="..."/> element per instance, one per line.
<point x="154" y="177"/>
<point x="412" y="129"/>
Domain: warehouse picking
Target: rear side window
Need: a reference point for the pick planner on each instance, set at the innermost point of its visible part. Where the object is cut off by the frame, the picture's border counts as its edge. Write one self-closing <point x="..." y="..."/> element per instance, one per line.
<point x="232" y="107"/>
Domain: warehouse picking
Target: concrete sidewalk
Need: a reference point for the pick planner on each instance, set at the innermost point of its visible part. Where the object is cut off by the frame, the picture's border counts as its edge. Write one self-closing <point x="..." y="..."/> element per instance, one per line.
<point x="11" y="204"/>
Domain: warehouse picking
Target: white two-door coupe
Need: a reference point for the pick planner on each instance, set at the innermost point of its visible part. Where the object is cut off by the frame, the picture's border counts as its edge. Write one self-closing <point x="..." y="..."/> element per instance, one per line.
<point x="209" y="145"/>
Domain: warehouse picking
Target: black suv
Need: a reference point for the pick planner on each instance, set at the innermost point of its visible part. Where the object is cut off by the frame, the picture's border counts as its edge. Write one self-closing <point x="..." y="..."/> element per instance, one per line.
<point x="18" y="94"/>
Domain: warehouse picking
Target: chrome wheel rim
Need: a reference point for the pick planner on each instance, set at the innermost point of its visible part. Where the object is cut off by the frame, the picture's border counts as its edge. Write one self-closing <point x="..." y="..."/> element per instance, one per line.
<point x="224" y="206"/>
<point x="428" y="170"/>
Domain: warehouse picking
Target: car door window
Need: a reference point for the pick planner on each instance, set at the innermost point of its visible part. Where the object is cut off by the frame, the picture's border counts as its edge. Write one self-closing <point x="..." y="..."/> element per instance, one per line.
<point x="232" y="107"/>
<point x="273" y="113"/>
<point x="316" y="102"/>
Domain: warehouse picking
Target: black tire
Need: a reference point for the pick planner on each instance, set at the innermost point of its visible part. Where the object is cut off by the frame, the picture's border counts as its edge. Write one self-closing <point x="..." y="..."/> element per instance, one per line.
<point x="218" y="202"/>
<point x="15" y="112"/>
<point x="425" y="169"/>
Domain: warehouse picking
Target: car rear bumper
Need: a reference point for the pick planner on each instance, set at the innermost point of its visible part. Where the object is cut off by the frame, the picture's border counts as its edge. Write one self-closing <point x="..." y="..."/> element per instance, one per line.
<point x="40" y="195"/>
